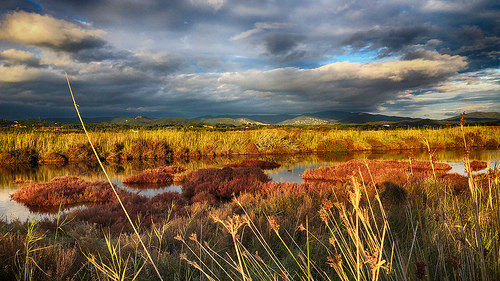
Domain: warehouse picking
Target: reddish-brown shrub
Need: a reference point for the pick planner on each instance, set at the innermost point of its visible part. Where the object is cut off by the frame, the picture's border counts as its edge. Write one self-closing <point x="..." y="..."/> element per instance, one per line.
<point x="7" y="158"/>
<point x="116" y="154"/>
<point x="143" y="149"/>
<point x="491" y="143"/>
<point x="81" y="153"/>
<point x="20" y="156"/>
<point x="414" y="142"/>
<point x="379" y="170"/>
<point x="252" y="148"/>
<point x="459" y="182"/>
<point x="376" y="144"/>
<point x="65" y="190"/>
<point x="53" y="158"/>
<point x="477" y="165"/>
<point x="334" y="145"/>
<point x="255" y="163"/>
<point x="223" y="183"/>
<point x="148" y="210"/>
<point x="471" y="139"/>
<point x="159" y="175"/>
<point x="204" y="197"/>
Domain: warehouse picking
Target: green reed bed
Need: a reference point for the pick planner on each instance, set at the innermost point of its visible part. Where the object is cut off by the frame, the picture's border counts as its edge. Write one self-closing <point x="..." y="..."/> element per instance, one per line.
<point x="121" y="145"/>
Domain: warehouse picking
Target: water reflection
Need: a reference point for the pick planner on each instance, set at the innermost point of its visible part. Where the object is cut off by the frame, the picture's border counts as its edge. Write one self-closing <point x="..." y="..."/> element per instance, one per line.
<point x="293" y="166"/>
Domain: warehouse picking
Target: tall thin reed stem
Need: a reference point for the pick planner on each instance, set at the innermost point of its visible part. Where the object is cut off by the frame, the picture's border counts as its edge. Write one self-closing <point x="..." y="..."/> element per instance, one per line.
<point x="109" y="181"/>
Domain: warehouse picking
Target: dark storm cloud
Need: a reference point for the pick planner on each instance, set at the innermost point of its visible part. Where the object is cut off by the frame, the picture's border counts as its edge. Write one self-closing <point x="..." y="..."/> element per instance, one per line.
<point x="279" y="44"/>
<point x="282" y="47"/>
<point x="137" y="15"/>
<point x="9" y="5"/>
<point x="468" y="29"/>
<point x="389" y="41"/>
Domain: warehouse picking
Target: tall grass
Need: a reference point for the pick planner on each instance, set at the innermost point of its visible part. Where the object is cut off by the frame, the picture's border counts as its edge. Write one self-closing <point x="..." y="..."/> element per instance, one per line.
<point x="121" y="145"/>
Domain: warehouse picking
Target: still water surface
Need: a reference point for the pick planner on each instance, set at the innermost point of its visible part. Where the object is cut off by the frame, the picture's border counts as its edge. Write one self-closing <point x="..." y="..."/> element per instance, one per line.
<point x="293" y="166"/>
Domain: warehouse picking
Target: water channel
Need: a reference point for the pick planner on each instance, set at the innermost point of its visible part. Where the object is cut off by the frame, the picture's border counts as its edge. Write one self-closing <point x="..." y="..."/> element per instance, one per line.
<point x="293" y="166"/>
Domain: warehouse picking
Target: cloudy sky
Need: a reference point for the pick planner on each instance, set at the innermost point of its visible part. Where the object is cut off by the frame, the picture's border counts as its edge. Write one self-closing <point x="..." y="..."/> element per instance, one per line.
<point x="187" y="58"/>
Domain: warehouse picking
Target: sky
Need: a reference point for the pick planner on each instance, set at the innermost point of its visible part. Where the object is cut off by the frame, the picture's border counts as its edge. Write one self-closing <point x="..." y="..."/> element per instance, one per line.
<point x="189" y="58"/>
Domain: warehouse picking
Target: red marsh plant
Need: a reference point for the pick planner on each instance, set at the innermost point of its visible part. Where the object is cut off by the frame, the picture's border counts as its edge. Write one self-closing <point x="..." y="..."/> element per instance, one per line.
<point x="145" y="210"/>
<point x="255" y="163"/>
<point x="223" y="183"/>
<point x="163" y="175"/>
<point x="477" y="165"/>
<point x="379" y="170"/>
<point x="63" y="190"/>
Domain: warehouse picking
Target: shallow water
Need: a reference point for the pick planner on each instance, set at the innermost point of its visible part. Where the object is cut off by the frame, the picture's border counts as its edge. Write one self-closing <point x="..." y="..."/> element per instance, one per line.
<point x="293" y="166"/>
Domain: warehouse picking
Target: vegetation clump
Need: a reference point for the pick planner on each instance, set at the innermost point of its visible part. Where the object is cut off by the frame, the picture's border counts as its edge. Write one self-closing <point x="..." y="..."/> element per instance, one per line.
<point x="162" y="175"/>
<point x="81" y="153"/>
<point x="146" y="210"/>
<point x="150" y="149"/>
<point x="63" y="190"/>
<point x="377" y="170"/>
<point x="23" y="156"/>
<point x="53" y="158"/>
<point x="477" y="165"/>
<point x="223" y="183"/>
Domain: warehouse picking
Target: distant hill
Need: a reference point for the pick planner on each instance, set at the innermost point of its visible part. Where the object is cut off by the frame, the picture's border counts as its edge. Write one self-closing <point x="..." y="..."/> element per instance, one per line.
<point x="305" y="120"/>
<point x="261" y="118"/>
<point x="478" y="116"/>
<point x="361" y="118"/>
<point x="331" y="114"/>
<point x="315" y="118"/>
<point x="75" y="120"/>
<point x="132" y="121"/>
<point x="141" y="121"/>
<point x="232" y="121"/>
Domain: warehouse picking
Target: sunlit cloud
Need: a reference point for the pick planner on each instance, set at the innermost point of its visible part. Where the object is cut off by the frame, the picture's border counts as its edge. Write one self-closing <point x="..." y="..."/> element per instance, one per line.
<point x="47" y="31"/>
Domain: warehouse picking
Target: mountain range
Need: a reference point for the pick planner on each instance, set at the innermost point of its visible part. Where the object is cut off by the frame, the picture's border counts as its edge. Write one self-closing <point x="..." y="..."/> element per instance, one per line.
<point x="313" y="118"/>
